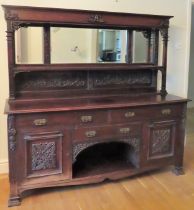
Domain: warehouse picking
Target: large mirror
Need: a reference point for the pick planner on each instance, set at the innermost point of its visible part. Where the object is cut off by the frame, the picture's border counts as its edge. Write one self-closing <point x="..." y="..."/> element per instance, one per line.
<point x="80" y="45"/>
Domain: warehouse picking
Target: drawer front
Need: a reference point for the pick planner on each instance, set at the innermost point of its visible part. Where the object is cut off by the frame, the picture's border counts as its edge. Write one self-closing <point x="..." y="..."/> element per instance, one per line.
<point x="42" y="120"/>
<point x="106" y="132"/>
<point x="131" y="114"/>
<point x="61" y="118"/>
<point x="91" y="117"/>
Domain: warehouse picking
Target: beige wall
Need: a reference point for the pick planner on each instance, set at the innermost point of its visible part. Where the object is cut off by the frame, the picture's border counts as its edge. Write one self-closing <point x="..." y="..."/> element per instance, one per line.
<point x="177" y="77"/>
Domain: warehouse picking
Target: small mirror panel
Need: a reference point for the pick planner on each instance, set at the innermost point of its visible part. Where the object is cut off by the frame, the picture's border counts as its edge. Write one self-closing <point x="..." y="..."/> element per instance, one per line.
<point x="140" y="47"/>
<point x="29" y="45"/>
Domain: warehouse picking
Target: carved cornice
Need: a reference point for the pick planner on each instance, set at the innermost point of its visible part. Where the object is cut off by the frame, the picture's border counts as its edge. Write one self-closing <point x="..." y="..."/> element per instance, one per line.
<point x="95" y="19"/>
<point x="11" y="133"/>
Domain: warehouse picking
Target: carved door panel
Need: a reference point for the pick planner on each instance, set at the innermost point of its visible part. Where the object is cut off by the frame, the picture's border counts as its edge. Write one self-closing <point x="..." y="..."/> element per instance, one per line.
<point x="46" y="156"/>
<point x="159" y="142"/>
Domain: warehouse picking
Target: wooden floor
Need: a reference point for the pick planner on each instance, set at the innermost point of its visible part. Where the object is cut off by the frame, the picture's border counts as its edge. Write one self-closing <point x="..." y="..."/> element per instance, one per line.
<point x="159" y="190"/>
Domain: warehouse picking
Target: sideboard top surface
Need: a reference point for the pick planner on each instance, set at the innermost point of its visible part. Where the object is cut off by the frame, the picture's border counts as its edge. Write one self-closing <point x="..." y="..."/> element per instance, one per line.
<point x="61" y="104"/>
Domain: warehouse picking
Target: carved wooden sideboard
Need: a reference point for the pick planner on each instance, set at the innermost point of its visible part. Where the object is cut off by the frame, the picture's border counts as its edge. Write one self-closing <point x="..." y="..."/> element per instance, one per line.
<point x="73" y="123"/>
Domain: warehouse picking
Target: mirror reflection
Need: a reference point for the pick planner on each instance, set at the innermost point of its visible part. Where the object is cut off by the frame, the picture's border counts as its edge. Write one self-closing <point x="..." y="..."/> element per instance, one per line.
<point x="29" y="45"/>
<point x="77" y="45"/>
<point x="80" y="45"/>
<point x="140" y="47"/>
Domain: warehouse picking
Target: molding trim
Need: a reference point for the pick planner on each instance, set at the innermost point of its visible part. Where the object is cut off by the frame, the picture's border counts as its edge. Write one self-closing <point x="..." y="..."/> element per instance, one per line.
<point x="4" y="166"/>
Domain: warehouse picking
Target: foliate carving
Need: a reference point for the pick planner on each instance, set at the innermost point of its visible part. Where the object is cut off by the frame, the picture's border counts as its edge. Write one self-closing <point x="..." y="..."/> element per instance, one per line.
<point x="59" y="80"/>
<point x="43" y="156"/>
<point x="95" y="19"/>
<point x="53" y="83"/>
<point x="122" y="78"/>
<point x="78" y="148"/>
<point x="164" y="24"/>
<point x="164" y="33"/>
<point x="161" y="141"/>
<point x="15" y="25"/>
<point x="135" y="142"/>
<point x="147" y="34"/>
<point x="11" y="133"/>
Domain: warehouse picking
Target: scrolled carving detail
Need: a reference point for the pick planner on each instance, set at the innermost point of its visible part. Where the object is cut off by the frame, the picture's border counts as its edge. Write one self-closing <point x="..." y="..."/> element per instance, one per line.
<point x="11" y="133"/>
<point x="96" y="19"/>
<point x="43" y="156"/>
<point x="160" y="141"/>
<point x="121" y="78"/>
<point x="147" y="34"/>
<point x="78" y="148"/>
<point x="164" y="33"/>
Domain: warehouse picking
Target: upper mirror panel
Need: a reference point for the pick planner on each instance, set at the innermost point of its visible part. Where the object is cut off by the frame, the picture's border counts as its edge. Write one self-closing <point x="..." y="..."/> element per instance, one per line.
<point x="29" y="45"/>
<point x="140" y="47"/>
<point x="78" y="45"/>
<point x="81" y="45"/>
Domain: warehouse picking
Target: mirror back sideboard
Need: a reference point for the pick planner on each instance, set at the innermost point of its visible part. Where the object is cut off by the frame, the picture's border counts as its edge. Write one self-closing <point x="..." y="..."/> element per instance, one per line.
<point x="87" y="97"/>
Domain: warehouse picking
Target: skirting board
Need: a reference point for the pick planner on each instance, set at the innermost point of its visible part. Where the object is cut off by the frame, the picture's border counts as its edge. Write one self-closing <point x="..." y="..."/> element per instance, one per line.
<point x="3" y="166"/>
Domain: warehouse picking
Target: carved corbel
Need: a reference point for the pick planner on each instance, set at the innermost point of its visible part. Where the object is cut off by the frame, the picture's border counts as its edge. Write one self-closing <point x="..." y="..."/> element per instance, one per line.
<point x="147" y="34"/>
<point x="164" y="33"/>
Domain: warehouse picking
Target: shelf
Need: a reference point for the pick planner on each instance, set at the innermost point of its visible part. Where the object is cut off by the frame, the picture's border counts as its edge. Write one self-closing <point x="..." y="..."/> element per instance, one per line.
<point x="103" y="158"/>
<point x="83" y="67"/>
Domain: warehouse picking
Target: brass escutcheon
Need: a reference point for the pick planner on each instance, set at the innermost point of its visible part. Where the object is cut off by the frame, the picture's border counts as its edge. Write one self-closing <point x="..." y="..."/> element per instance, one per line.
<point x="166" y="111"/>
<point x="124" y="130"/>
<point x="129" y="114"/>
<point x="90" y="134"/>
<point x="40" y="122"/>
<point x="86" y="118"/>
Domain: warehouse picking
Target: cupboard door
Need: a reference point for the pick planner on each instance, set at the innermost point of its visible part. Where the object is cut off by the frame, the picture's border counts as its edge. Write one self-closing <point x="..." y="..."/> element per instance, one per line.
<point x="44" y="153"/>
<point x="47" y="156"/>
<point x="159" y="142"/>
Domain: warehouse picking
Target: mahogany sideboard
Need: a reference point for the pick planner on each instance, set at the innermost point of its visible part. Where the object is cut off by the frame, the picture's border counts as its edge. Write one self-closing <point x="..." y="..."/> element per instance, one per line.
<point x="77" y="122"/>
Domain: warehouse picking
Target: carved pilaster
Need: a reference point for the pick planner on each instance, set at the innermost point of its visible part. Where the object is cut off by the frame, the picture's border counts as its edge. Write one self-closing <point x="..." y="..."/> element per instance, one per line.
<point x="11" y="133"/>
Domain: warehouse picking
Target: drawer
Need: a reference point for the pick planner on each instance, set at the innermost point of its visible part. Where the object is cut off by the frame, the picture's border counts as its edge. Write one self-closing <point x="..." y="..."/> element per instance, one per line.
<point x="91" y="117"/>
<point x="61" y="118"/>
<point x="45" y="119"/>
<point x="151" y="112"/>
<point x="106" y="132"/>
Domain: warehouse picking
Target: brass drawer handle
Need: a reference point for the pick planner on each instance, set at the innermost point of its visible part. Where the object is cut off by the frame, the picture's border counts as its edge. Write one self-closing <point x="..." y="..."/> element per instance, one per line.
<point x="166" y="111"/>
<point x="129" y="114"/>
<point x="90" y="134"/>
<point x="40" y="122"/>
<point x="124" y="130"/>
<point x="86" y="118"/>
